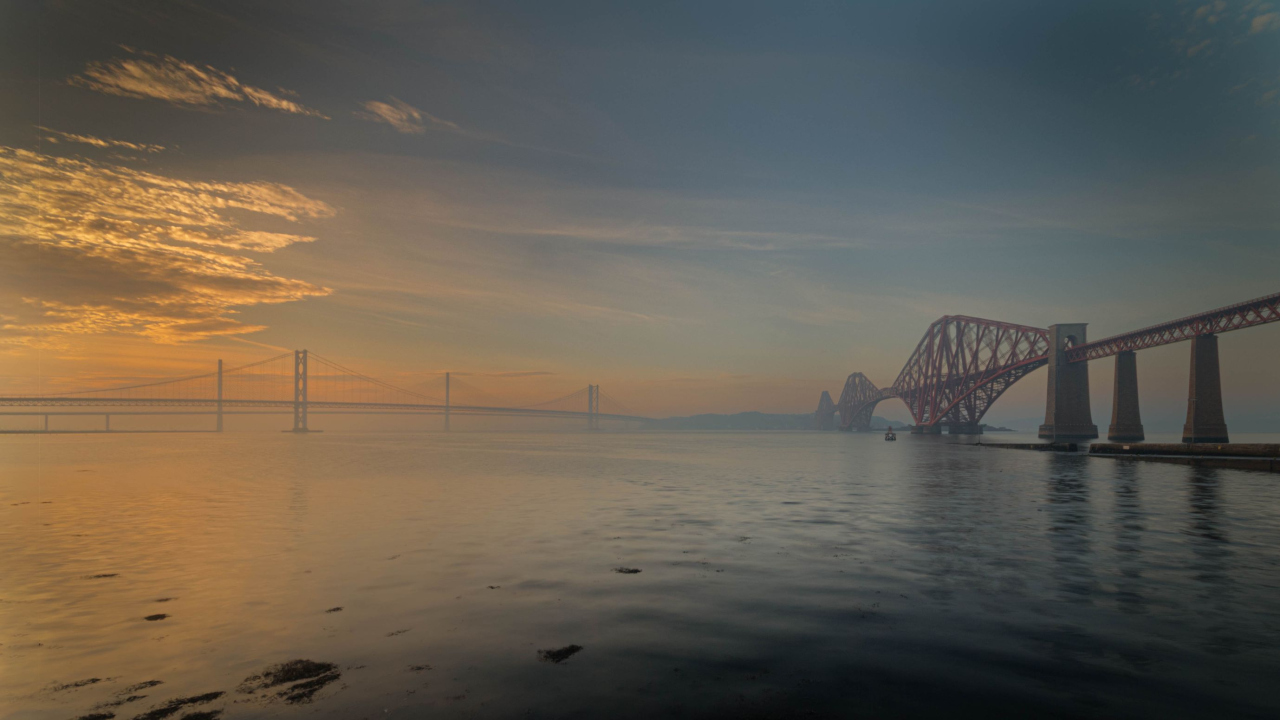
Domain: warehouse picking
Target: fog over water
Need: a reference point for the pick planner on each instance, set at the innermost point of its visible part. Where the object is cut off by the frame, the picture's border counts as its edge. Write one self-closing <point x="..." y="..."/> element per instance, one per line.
<point x="779" y="573"/>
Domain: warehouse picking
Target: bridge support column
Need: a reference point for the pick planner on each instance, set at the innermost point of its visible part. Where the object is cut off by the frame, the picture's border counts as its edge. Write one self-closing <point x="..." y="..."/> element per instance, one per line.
<point x="300" y="391"/>
<point x="926" y="430"/>
<point x="1067" y="415"/>
<point x="219" y="396"/>
<point x="1205" y="422"/>
<point x="964" y="429"/>
<point x="1126" y="421"/>
<point x="446" y="402"/>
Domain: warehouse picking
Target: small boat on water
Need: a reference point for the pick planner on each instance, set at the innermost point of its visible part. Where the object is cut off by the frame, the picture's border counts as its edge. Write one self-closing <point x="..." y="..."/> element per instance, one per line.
<point x="889" y="435"/>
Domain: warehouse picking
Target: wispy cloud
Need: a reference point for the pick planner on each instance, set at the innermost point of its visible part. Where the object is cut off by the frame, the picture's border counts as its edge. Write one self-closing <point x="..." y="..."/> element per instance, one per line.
<point x="164" y="77"/>
<point x="1210" y="12"/>
<point x="410" y="120"/>
<point x="403" y="117"/>
<point x="1198" y="48"/>
<point x="55" y="136"/>
<point x="1264" y="23"/>
<point x="92" y="247"/>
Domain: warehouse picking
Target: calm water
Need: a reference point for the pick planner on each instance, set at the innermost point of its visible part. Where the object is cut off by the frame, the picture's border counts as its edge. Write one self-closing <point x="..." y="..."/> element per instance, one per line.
<point x="780" y="574"/>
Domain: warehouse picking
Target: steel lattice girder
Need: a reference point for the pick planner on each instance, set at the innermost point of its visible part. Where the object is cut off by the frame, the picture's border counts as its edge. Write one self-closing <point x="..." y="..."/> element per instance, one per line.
<point x="1233" y="317"/>
<point x="857" y="402"/>
<point x="962" y="364"/>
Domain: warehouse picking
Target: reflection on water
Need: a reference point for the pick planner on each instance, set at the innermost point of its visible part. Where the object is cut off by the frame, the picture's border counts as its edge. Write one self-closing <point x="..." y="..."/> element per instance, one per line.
<point x="1211" y="561"/>
<point x="352" y="576"/>
<point x="1070" y="529"/>
<point x="1128" y="528"/>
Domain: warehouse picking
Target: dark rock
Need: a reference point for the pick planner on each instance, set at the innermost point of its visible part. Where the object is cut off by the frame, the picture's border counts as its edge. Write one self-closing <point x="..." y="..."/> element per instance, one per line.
<point x="173" y="706"/>
<point x="307" y="678"/>
<point x="559" y="655"/>
<point x="74" y="685"/>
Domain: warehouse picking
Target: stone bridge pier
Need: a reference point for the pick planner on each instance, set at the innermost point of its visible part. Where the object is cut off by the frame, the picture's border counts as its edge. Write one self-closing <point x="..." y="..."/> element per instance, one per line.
<point x="1205" y="420"/>
<point x="1067" y="415"/>
<point x="1126" y="420"/>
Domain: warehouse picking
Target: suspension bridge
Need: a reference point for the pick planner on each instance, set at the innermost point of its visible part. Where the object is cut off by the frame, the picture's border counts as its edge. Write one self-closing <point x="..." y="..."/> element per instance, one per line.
<point x="963" y="364"/>
<point x="301" y="384"/>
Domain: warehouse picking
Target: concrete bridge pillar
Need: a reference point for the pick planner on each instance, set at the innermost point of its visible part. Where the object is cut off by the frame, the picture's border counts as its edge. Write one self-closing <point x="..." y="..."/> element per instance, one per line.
<point x="1067" y="415"/>
<point x="964" y="429"/>
<point x="1126" y="421"/>
<point x="934" y="429"/>
<point x="1205" y="422"/>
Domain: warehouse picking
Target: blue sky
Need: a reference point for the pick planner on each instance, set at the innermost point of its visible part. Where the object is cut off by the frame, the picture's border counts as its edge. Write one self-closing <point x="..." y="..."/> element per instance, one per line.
<point x="707" y="206"/>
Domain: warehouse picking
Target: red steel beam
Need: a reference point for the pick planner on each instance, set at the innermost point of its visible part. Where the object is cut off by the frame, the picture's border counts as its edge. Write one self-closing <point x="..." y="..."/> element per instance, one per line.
<point x="1259" y="311"/>
<point x="962" y="364"/>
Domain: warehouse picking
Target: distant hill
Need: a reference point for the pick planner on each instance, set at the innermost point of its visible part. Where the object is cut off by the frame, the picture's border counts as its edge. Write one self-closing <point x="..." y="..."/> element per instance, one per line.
<point x="1023" y="424"/>
<point x="750" y="421"/>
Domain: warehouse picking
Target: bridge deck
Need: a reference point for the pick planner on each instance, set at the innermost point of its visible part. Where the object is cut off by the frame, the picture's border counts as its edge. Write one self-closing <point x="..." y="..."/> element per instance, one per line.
<point x="313" y="407"/>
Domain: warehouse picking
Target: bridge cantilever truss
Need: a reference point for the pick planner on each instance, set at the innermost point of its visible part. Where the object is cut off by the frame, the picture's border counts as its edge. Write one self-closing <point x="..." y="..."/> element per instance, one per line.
<point x="956" y="372"/>
<point x="963" y="364"/>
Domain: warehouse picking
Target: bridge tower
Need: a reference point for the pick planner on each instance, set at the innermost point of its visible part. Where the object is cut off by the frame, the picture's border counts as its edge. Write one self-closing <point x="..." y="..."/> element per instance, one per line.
<point x="446" y="402"/>
<point x="300" y="391"/>
<point x="219" y="395"/>
<point x="593" y="407"/>
<point x="1067" y="415"/>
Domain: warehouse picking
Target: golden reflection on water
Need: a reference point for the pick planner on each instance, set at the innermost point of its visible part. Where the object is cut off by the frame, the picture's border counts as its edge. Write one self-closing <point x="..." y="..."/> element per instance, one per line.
<point x="768" y="562"/>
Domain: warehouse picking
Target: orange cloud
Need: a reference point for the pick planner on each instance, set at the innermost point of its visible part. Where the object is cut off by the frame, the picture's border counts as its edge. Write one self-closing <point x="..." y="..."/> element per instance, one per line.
<point x="150" y="76"/>
<point x="55" y="136"/>
<point x="91" y="247"/>
<point x="402" y="116"/>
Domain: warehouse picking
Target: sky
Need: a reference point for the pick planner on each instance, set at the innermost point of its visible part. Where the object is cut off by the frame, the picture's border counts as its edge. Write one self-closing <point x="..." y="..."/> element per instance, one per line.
<point x="702" y="207"/>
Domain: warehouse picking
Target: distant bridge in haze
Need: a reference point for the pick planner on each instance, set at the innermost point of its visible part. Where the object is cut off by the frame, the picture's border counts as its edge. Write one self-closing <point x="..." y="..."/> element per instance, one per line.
<point x="302" y="383"/>
<point x="964" y="364"/>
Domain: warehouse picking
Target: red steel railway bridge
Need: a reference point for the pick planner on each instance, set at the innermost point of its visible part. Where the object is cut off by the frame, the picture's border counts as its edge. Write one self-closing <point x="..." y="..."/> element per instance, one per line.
<point x="963" y="364"/>
<point x="302" y="384"/>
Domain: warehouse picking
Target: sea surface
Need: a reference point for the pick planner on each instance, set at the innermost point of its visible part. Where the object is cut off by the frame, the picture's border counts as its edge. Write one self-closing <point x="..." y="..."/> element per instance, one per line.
<point x="476" y="575"/>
